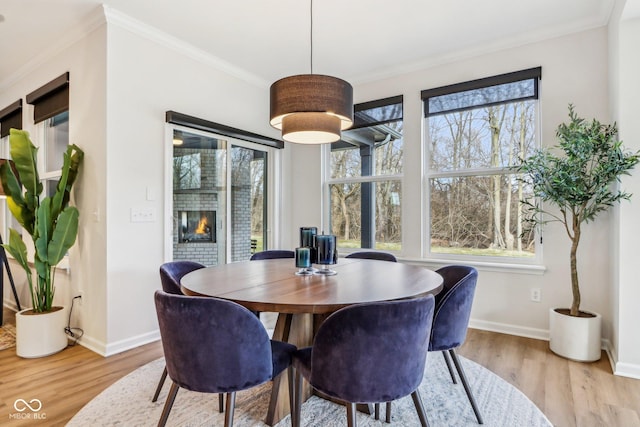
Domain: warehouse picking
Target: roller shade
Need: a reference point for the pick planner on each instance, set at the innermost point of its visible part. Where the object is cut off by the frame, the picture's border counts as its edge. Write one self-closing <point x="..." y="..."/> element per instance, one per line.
<point x="11" y="117"/>
<point x="51" y="99"/>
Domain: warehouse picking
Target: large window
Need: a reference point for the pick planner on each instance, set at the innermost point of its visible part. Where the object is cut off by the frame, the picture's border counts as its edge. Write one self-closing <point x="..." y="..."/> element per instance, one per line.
<point x="10" y="117"/>
<point x="474" y="132"/>
<point x="51" y="113"/>
<point x="55" y="139"/>
<point x="365" y="178"/>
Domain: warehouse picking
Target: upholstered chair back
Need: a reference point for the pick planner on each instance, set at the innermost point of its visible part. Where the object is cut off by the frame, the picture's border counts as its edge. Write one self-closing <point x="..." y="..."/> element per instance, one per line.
<point x="273" y="254"/>
<point x="382" y="256"/>
<point x="453" y="307"/>
<point x="356" y="344"/>
<point x="172" y="272"/>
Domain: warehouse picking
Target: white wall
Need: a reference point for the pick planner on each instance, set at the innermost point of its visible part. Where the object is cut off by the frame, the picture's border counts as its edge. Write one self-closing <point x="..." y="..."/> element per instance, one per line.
<point x="574" y="70"/>
<point x="145" y="79"/>
<point x="625" y="89"/>
<point x="84" y="59"/>
<point x="123" y="78"/>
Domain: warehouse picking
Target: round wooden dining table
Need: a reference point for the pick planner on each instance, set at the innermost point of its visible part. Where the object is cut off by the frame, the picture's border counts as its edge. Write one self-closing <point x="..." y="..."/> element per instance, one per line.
<point x="304" y="301"/>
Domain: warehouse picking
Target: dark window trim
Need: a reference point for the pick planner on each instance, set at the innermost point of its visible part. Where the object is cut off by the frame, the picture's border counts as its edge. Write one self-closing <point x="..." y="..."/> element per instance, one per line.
<point x="363" y="106"/>
<point x="11" y="117"/>
<point x="50" y="99"/>
<point x="220" y="129"/>
<point x="398" y="99"/>
<point x="515" y="76"/>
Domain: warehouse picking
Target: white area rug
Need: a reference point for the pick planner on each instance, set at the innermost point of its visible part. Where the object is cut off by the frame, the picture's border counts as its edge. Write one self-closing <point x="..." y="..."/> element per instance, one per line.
<point x="128" y="403"/>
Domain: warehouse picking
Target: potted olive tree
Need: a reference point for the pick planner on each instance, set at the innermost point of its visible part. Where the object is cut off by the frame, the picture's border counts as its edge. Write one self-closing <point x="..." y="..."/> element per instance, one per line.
<point x="53" y="227"/>
<point x="572" y="188"/>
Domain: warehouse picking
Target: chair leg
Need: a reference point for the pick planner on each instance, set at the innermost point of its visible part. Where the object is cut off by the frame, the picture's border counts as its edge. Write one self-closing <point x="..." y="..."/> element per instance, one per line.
<point x="417" y="402"/>
<point x="387" y="414"/>
<point x="351" y="414"/>
<point x="221" y="402"/>
<point x="292" y="397"/>
<point x="168" y="404"/>
<point x="377" y="411"/>
<point x="297" y="400"/>
<point x="231" y="406"/>
<point x="449" y="367"/>
<point x="160" y="384"/>
<point x="465" y="384"/>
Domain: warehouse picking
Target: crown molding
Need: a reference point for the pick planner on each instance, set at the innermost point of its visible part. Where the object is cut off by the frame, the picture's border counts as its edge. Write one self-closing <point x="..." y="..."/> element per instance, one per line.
<point x="117" y="18"/>
<point x="92" y="21"/>
<point x="487" y="48"/>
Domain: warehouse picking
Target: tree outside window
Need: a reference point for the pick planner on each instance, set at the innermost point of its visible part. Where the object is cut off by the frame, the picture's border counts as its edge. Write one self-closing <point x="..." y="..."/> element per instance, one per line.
<point x="475" y="132"/>
<point x="365" y="184"/>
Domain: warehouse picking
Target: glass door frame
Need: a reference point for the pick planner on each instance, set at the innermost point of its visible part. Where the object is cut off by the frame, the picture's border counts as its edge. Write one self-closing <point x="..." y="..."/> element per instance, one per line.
<point x="273" y="188"/>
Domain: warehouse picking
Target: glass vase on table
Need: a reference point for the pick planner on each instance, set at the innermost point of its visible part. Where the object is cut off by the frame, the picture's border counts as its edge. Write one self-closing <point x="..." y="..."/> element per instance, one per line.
<point x="326" y="253"/>
<point x="308" y="240"/>
<point x="303" y="261"/>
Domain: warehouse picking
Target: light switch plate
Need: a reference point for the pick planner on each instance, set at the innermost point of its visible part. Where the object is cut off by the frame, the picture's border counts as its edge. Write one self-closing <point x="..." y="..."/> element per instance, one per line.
<point x="143" y="215"/>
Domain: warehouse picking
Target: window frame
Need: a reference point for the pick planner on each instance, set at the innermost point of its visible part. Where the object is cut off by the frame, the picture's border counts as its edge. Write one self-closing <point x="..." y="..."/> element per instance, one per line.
<point x="328" y="181"/>
<point x="429" y="174"/>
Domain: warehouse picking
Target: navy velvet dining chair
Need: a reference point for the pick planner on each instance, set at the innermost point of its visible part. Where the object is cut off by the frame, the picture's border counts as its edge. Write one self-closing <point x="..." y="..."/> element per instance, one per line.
<point x="382" y="256"/>
<point x="451" y="320"/>
<point x="170" y="275"/>
<point x="273" y="254"/>
<point x="194" y="330"/>
<point x="352" y="345"/>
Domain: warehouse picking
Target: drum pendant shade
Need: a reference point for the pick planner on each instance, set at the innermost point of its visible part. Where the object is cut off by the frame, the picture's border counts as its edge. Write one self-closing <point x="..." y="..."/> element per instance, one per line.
<point x="311" y="108"/>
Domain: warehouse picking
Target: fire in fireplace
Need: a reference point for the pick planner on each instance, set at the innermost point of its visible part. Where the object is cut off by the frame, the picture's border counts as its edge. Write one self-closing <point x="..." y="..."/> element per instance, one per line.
<point x="197" y="227"/>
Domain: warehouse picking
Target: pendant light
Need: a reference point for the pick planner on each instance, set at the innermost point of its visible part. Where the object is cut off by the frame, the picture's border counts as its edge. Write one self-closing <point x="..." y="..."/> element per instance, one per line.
<point x="311" y="108"/>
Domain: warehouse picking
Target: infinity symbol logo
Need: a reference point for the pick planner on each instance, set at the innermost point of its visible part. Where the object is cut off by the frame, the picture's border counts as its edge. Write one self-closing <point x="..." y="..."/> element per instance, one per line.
<point x="21" y="405"/>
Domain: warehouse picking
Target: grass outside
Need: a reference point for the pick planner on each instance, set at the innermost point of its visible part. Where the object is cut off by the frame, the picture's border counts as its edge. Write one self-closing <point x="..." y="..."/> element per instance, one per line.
<point x="396" y="247"/>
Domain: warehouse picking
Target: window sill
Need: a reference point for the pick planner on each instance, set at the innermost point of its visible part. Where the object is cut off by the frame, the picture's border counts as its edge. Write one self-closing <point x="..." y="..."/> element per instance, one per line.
<point x="435" y="263"/>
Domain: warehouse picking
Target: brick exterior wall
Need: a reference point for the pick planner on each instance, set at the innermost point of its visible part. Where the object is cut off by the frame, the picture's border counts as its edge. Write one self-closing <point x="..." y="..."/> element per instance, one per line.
<point x="207" y="198"/>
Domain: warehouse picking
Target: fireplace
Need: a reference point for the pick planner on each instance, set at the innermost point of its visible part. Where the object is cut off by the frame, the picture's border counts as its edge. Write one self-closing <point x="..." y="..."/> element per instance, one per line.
<point x="197" y="226"/>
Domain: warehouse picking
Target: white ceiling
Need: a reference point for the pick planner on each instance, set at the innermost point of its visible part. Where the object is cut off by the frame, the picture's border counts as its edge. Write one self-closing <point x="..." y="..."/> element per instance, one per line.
<point x="357" y="40"/>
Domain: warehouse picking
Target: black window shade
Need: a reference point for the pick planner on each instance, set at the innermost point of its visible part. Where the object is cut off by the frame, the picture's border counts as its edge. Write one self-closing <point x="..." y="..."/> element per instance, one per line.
<point x="11" y="117"/>
<point x="51" y="99"/>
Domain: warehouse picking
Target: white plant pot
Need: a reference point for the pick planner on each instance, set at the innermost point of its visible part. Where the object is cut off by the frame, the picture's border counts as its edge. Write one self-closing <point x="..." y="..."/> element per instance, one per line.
<point x="576" y="338"/>
<point x="42" y="334"/>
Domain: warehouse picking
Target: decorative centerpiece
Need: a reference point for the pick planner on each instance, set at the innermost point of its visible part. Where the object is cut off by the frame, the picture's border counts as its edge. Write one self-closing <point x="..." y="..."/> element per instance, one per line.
<point x="303" y="261"/>
<point x="326" y="253"/>
<point x="308" y="240"/>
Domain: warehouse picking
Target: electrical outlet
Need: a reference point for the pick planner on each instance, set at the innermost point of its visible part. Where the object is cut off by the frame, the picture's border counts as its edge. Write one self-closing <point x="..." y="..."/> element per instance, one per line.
<point x="535" y="294"/>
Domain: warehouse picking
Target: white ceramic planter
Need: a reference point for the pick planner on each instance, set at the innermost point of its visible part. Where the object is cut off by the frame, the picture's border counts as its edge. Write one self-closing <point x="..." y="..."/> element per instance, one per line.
<point x="39" y="335"/>
<point x="576" y="338"/>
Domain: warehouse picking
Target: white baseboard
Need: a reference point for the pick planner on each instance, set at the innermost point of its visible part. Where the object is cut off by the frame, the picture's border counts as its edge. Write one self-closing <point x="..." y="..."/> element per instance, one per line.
<point x="133" y="342"/>
<point x="622" y="369"/>
<point x="618" y="368"/>
<point x="98" y="346"/>
<point x="505" y="328"/>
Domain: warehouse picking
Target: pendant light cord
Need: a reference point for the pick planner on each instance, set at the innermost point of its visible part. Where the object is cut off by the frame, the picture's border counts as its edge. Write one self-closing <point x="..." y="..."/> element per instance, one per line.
<point x="311" y="35"/>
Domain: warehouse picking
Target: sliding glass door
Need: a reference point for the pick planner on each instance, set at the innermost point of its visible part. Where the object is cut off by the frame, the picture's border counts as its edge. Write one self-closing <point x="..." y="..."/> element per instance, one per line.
<point x="219" y="197"/>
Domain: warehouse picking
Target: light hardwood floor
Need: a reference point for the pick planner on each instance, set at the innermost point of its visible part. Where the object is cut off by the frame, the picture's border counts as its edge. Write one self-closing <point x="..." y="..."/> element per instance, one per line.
<point x="569" y="393"/>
